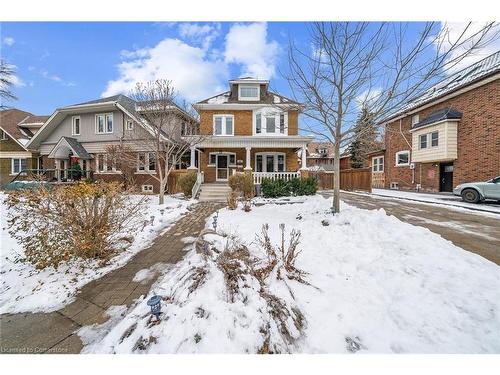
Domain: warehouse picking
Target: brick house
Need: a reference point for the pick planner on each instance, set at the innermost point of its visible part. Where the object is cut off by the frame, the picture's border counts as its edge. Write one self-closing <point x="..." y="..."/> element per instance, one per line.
<point x="249" y="129"/>
<point x="447" y="136"/>
<point x="16" y="129"/>
<point x="320" y="157"/>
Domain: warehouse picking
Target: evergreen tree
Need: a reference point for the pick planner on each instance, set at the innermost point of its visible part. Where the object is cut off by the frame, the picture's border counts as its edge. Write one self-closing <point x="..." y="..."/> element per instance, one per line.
<point x="364" y="139"/>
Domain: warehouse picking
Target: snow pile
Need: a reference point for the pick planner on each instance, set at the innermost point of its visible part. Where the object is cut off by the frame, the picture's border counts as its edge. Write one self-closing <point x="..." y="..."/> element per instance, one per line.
<point x="23" y="288"/>
<point x="452" y="201"/>
<point x="378" y="285"/>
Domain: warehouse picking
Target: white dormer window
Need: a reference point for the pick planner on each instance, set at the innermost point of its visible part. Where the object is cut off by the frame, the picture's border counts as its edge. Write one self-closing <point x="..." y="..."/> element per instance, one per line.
<point x="248" y="92"/>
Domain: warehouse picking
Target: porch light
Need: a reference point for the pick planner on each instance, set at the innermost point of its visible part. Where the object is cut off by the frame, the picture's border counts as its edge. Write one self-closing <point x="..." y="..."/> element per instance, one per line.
<point x="155" y="304"/>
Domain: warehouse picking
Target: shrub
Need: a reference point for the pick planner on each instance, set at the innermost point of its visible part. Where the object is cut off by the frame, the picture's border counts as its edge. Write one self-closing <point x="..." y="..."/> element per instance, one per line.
<point x="296" y="186"/>
<point x="232" y="200"/>
<point x="186" y="183"/>
<point x="84" y="220"/>
<point x="242" y="183"/>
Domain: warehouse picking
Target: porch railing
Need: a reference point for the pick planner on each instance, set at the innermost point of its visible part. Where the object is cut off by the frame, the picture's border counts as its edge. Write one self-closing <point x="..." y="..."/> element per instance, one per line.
<point x="259" y="176"/>
<point x="200" y="177"/>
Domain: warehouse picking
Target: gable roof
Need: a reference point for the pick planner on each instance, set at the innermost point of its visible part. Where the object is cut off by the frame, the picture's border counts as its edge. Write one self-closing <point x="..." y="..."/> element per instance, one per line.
<point x="463" y="78"/>
<point x="11" y="121"/>
<point x="74" y="145"/>
<point x="34" y="120"/>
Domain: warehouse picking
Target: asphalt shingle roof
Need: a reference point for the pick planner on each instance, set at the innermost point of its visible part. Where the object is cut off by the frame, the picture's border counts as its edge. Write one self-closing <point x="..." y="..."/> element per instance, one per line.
<point x="439" y="115"/>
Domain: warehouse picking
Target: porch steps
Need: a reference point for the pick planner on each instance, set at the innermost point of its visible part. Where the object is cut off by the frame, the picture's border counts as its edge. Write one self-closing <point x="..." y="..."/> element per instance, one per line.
<point x="214" y="192"/>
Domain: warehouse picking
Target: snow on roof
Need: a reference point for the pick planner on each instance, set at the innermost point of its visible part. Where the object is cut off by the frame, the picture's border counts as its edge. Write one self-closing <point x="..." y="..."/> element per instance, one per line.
<point x="219" y="99"/>
<point x="464" y="77"/>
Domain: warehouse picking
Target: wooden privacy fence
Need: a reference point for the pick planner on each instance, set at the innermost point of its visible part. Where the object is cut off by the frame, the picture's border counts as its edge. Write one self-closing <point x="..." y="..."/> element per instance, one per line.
<point x="350" y="179"/>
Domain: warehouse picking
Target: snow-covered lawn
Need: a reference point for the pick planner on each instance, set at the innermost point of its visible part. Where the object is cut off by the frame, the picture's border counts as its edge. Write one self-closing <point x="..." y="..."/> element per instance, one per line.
<point x="23" y="288"/>
<point x="378" y="285"/>
<point x="441" y="199"/>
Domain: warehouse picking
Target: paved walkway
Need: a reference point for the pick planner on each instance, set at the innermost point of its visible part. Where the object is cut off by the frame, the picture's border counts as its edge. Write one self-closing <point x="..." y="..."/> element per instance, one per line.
<point x="55" y="332"/>
<point x="469" y="230"/>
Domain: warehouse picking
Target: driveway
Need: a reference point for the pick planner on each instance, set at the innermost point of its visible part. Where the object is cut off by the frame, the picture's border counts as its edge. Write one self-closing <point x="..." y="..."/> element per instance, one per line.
<point x="55" y="332"/>
<point x="470" y="230"/>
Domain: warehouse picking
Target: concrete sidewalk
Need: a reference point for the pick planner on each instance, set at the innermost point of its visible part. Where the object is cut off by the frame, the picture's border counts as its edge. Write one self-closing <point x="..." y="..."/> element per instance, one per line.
<point x="55" y="332"/>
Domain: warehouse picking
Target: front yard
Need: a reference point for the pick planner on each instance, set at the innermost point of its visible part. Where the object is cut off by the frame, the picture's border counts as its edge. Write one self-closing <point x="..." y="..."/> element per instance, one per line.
<point x="372" y="284"/>
<point x="23" y="288"/>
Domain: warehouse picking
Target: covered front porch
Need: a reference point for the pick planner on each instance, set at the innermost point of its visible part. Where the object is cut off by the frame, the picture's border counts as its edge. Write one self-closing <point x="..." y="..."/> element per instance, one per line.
<point x="219" y="157"/>
<point x="67" y="154"/>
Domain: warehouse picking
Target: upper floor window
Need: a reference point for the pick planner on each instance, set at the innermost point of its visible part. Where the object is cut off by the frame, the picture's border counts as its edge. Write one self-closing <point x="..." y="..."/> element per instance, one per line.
<point x="248" y="92"/>
<point x="104" y="123"/>
<point x="378" y="164"/>
<point x="130" y="125"/>
<point x="402" y="158"/>
<point x="423" y="141"/>
<point x="75" y="125"/>
<point x="270" y="122"/>
<point x="415" y="119"/>
<point x="435" y="139"/>
<point x="223" y="125"/>
<point x="3" y="135"/>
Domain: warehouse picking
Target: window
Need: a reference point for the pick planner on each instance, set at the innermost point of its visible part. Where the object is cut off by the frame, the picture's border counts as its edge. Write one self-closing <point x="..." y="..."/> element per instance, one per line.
<point x="212" y="158"/>
<point x="130" y="125"/>
<point x="146" y="162"/>
<point x="378" y="164"/>
<point x="104" y="123"/>
<point x="147" y="188"/>
<point x="3" y="135"/>
<point x="321" y="151"/>
<point x="270" y="124"/>
<point x="75" y="128"/>
<point x="415" y="119"/>
<point x="17" y="165"/>
<point x="223" y="125"/>
<point x="402" y="158"/>
<point x="105" y="164"/>
<point x="249" y="92"/>
<point x="275" y="122"/>
<point x="258" y="123"/>
<point x="435" y="139"/>
<point x="423" y="141"/>
<point x="270" y="162"/>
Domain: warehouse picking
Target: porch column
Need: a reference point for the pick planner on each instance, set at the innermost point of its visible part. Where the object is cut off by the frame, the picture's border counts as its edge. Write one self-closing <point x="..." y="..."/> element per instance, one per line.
<point x="192" y="164"/>
<point x="303" y="158"/>
<point x="247" y="161"/>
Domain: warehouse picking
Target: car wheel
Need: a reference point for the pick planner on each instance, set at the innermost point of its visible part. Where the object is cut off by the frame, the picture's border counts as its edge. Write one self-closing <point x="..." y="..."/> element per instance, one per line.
<point x="470" y="196"/>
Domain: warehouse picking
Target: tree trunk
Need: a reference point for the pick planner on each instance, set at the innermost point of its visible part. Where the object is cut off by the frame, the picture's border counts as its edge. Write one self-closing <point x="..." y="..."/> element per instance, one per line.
<point x="161" y="196"/>
<point x="336" y="178"/>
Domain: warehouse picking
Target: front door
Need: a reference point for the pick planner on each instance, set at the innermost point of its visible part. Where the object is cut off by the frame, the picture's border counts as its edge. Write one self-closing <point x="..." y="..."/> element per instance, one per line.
<point x="446" y="177"/>
<point x="222" y="168"/>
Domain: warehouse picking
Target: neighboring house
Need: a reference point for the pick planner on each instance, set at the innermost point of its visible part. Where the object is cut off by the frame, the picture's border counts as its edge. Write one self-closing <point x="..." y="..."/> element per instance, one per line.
<point x="320" y="156"/>
<point x="16" y="129"/>
<point x="376" y="162"/>
<point x="449" y="135"/>
<point x="82" y="133"/>
<point x="251" y="129"/>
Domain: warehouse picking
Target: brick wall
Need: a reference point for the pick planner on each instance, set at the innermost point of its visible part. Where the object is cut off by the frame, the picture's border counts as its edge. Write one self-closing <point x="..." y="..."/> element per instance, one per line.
<point x="478" y="141"/>
<point x="242" y="121"/>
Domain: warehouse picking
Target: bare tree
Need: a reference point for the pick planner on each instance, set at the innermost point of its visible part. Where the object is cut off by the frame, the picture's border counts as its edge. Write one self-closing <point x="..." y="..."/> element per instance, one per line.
<point x="6" y="82"/>
<point x="169" y="134"/>
<point x="380" y="66"/>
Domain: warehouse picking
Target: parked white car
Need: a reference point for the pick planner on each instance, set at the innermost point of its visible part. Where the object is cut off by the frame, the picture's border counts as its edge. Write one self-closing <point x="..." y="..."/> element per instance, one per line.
<point x="474" y="192"/>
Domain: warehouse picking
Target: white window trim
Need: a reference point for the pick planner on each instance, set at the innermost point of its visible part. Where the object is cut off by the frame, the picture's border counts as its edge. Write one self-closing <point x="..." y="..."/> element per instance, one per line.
<point x="147" y="188"/>
<point x="105" y="123"/>
<point x="129" y="125"/>
<point x="397" y="157"/>
<point x="379" y="164"/>
<point x="12" y="173"/>
<point x="4" y="136"/>
<point x="146" y="164"/>
<point x="429" y="141"/>
<point x="415" y="119"/>
<point x="264" y="165"/>
<point x="426" y="141"/>
<point x="105" y="165"/>
<point x="222" y="153"/>
<point x="224" y="116"/>
<point x="73" y="125"/>
<point x="269" y="112"/>
<point x="246" y="98"/>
